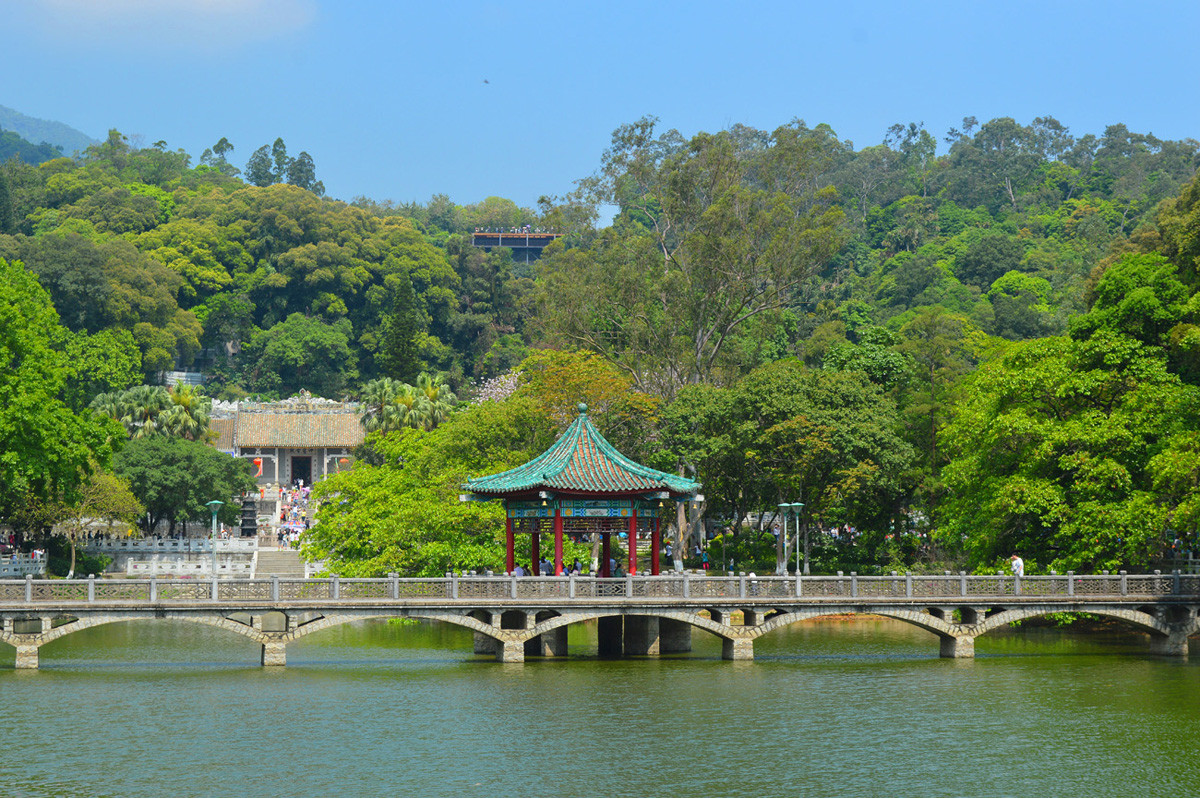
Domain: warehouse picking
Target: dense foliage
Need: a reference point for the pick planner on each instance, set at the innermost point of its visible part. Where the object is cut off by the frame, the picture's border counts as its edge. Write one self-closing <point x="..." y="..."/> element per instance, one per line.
<point x="947" y="355"/>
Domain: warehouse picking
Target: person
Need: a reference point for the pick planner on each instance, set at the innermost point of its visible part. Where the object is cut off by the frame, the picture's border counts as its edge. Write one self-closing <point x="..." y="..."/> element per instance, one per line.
<point x="1018" y="566"/>
<point x="704" y="560"/>
<point x="518" y="571"/>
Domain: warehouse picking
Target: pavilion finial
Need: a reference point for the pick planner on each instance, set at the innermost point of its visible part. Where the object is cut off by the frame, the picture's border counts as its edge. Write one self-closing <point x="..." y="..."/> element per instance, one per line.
<point x="582" y="408"/>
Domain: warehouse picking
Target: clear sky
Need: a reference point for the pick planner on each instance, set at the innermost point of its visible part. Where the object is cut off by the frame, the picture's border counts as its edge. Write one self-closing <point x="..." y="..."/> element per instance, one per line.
<point x="401" y="100"/>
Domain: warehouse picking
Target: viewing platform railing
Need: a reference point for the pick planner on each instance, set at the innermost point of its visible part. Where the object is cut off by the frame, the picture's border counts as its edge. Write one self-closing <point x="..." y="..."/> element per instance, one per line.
<point x="20" y="565"/>
<point x="683" y="588"/>
<point x="168" y="545"/>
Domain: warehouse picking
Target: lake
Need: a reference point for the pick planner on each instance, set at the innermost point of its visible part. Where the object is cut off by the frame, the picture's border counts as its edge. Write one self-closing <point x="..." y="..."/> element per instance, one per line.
<point x="834" y="707"/>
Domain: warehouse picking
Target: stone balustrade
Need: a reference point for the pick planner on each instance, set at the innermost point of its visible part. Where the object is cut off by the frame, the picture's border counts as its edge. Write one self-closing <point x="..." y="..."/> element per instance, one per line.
<point x="16" y="566"/>
<point x="585" y="589"/>
<point x="150" y="546"/>
<point x="194" y="568"/>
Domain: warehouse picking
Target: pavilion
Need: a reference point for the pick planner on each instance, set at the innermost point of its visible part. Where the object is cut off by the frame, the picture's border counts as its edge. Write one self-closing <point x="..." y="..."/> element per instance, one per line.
<point x="582" y="485"/>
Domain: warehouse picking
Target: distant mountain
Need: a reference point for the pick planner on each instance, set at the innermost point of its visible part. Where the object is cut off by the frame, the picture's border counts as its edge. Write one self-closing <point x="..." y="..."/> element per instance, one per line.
<point x="37" y="131"/>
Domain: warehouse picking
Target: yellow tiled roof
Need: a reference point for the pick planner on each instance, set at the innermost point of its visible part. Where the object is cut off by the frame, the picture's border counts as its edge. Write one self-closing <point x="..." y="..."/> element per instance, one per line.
<point x="224" y="428"/>
<point x="298" y="430"/>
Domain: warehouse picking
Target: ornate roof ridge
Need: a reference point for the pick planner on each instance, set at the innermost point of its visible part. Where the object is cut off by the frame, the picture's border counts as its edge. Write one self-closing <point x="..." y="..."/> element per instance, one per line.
<point x="582" y="460"/>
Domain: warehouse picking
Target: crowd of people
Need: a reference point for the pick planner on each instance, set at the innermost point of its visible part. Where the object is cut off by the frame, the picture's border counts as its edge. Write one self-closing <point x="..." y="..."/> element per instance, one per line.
<point x="294" y="517"/>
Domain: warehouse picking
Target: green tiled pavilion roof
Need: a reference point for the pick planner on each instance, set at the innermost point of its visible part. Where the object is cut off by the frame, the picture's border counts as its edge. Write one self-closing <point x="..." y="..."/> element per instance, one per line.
<point x="582" y="460"/>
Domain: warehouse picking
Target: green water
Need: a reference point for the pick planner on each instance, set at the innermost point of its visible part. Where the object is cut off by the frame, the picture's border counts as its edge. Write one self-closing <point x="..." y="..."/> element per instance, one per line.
<point x="833" y="708"/>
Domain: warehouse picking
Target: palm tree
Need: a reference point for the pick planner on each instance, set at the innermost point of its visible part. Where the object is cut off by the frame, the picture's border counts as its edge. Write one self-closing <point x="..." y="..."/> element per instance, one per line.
<point x="377" y="396"/>
<point x="441" y="400"/>
<point x="141" y="406"/>
<point x="188" y="415"/>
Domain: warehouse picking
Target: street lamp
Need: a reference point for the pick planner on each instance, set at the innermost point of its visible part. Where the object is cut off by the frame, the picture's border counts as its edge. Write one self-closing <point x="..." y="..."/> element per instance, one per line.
<point x="214" y="505"/>
<point x="792" y="508"/>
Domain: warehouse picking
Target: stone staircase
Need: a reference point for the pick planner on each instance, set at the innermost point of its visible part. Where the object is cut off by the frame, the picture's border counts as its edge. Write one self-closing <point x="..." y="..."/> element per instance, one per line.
<point x="278" y="562"/>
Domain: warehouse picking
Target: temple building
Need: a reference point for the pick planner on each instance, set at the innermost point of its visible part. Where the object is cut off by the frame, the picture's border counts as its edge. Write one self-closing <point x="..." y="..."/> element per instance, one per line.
<point x="579" y="486"/>
<point x="303" y="439"/>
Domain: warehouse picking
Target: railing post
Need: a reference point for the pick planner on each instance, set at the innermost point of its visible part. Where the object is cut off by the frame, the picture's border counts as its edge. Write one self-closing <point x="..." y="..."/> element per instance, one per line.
<point x="1124" y="583"/>
<point x="687" y="585"/>
<point x="629" y="583"/>
<point x="742" y="586"/>
<point x="854" y="584"/>
<point x="214" y="594"/>
<point x="1175" y="587"/>
<point x="91" y="588"/>
<point x="153" y="588"/>
<point x="453" y="586"/>
<point x="275" y="588"/>
<point x="513" y="585"/>
<point x="1016" y="585"/>
<point x="28" y="588"/>
<point x="908" y="584"/>
<point x="799" y="585"/>
<point x="394" y="585"/>
<point x="962" y="579"/>
<point x="571" y="585"/>
<point x="1070" y="583"/>
<point x="335" y="589"/>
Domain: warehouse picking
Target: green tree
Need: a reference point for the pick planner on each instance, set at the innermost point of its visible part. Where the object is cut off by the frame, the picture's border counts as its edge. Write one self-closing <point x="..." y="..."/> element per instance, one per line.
<point x="281" y="161"/>
<point x="175" y="478"/>
<point x="400" y="346"/>
<point x="259" y="170"/>
<point x="302" y="172"/>
<point x="700" y="253"/>
<point x="1054" y="450"/>
<point x="404" y="515"/>
<point x="302" y="353"/>
<point x="46" y="450"/>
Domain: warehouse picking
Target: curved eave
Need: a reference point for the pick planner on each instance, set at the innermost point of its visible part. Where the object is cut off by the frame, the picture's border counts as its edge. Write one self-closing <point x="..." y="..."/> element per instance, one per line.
<point x="582" y="462"/>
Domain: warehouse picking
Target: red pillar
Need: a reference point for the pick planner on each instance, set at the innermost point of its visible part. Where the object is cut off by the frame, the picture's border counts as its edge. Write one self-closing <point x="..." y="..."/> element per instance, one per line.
<point x="535" y="566"/>
<point x="633" y="541"/>
<point x="606" y="555"/>
<point x="558" y="540"/>
<point x="510" y="554"/>
<point x="655" y="545"/>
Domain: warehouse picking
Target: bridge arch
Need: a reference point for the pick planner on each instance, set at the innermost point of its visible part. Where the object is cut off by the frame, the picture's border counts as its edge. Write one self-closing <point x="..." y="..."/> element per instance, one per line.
<point x="1143" y="621"/>
<point x="922" y="620"/>
<point x="91" y="621"/>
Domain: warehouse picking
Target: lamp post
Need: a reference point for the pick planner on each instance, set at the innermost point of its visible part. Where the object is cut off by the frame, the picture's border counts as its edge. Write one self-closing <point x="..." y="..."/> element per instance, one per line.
<point x="792" y="508"/>
<point x="214" y="505"/>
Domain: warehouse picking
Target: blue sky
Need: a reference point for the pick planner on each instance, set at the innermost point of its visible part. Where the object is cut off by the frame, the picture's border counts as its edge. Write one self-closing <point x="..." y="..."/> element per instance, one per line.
<point x="391" y="101"/>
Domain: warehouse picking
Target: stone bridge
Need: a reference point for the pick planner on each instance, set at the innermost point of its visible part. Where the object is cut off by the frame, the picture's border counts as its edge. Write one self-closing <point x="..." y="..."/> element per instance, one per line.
<point x="515" y="617"/>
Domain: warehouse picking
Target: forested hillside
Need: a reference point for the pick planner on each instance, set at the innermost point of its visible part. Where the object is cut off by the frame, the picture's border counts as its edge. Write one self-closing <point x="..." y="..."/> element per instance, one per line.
<point x="898" y="334"/>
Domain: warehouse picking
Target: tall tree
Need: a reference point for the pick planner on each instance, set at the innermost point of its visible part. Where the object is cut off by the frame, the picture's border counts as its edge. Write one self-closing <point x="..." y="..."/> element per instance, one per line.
<point x="302" y="172"/>
<point x="46" y="450"/>
<point x="281" y="160"/>
<point x="699" y="254"/>
<point x="401" y="341"/>
<point x="259" y="170"/>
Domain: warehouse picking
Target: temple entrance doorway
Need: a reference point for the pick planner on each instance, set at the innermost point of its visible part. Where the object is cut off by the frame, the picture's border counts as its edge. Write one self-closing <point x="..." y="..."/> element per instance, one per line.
<point x="302" y="470"/>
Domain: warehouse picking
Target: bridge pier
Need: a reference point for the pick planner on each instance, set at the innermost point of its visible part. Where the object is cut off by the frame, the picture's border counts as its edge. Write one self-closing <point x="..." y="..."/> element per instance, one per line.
<point x="674" y="637"/>
<point x="642" y="636"/>
<point x="510" y="650"/>
<point x="553" y="643"/>
<point x="957" y="647"/>
<point x="1174" y="644"/>
<point x="274" y="653"/>
<point x="609" y="634"/>
<point x="737" y="648"/>
<point x="27" y="656"/>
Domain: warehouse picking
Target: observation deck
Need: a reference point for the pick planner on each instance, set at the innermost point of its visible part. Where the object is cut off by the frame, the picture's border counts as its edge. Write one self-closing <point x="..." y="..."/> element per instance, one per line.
<point x="527" y="245"/>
